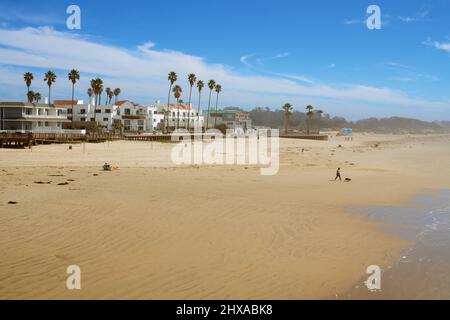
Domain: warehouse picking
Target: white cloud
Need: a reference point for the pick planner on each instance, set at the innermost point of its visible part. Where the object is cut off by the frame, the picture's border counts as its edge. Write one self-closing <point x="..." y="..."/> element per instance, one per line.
<point x="438" y="45"/>
<point x="421" y="15"/>
<point x="142" y="73"/>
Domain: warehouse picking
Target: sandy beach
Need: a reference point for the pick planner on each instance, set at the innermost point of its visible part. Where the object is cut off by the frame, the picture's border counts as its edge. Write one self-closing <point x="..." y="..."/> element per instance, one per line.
<point x="153" y="230"/>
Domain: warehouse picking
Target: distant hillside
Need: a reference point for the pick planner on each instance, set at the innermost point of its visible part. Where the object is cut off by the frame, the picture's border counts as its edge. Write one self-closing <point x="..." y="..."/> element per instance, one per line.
<point x="274" y="119"/>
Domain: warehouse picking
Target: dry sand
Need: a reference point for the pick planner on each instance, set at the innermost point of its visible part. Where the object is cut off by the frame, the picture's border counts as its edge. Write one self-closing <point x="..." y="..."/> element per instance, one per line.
<point x="151" y="230"/>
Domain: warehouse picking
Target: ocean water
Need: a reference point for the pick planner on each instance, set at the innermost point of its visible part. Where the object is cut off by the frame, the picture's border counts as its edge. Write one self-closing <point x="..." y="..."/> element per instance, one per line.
<point x="423" y="270"/>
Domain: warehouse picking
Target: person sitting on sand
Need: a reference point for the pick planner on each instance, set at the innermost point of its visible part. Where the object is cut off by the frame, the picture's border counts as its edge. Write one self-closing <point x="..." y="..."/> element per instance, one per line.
<point x="338" y="175"/>
<point x="106" y="167"/>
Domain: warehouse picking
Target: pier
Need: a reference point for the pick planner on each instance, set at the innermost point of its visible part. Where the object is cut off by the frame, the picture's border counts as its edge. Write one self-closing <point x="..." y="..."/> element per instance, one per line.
<point x="320" y="137"/>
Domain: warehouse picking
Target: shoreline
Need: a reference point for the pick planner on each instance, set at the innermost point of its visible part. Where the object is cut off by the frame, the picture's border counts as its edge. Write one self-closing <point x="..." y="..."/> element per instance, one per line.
<point x="318" y="244"/>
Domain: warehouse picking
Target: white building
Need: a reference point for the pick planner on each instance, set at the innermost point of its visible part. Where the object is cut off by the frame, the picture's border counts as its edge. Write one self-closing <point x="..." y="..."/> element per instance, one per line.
<point x="179" y="115"/>
<point x="131" y="117"/>
<point x="31" y="117"/>
<point x="102" y="114"/>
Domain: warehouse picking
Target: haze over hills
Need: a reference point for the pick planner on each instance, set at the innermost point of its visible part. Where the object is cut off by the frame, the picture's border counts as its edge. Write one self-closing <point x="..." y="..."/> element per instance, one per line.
<point x="298" y="120"/>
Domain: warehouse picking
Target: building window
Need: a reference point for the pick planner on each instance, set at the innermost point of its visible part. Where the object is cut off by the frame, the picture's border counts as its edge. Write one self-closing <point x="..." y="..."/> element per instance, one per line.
<point x="92" y="119"/>
<point x="105" y="119"/>
<point x="69" y="111"/>
<point x="140" y="122"/>
<point x="127" y="112"/>
<point x="82" y="111"/>
<point x="83" y="119"/>
<point x="98" y="111"/>
<point x="155" y="112"/>
<point x="46" y="124"/>
<point x="107" y="110"/>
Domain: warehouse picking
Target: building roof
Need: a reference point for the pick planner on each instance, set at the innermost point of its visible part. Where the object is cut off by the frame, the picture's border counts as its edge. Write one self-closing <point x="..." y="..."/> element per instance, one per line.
<point x="66" y="102"/>
<point x="181" y="106"/>
<point x="15" y="104"/>
<point x="121" y="102"/>
<point x="24" y="104"/>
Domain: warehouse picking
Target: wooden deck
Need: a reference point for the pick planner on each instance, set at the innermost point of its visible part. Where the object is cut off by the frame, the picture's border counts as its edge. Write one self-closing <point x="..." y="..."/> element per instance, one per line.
<point x="15" y="140"/>
<point x="321" y="137"/>
<point x="22" y="140"/>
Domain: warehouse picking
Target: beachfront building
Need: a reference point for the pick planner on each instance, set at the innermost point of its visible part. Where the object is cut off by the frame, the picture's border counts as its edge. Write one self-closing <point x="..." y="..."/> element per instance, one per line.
<point x="179" y="115"/>
<point x="131" y="116"/>
<point x="231" y="118"/>
<point x="32" y="117"/>
<point x="83" y="113"/>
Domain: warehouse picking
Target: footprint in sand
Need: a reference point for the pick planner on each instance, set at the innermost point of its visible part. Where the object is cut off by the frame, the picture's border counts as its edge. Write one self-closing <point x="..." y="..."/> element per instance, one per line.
<point x="63" y="184"/>
<point x="42" y="182"/>
<point x="12" y="202"/>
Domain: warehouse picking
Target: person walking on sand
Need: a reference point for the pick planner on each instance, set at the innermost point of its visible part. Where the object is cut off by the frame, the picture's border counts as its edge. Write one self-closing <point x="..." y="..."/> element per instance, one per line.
<point x="338" y="175"/>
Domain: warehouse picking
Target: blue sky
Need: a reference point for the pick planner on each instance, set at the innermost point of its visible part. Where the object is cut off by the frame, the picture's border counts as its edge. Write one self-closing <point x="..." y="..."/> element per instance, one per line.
<point x="264" y="53"/>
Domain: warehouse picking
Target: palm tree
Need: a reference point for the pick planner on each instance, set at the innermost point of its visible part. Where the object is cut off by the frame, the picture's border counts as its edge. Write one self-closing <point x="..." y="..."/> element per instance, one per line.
<point x="211" y="86"/>
<point x="200" y="85"/>
<point x="192" y="79"/>
<point x="218" y="90"/>
<point x="37" y="97"/>
<point x="74" y="76"/>
<point x="94" y="91"/>
<point x="319" y="118"/>
<point x="49" y="78"/>
<point x="90" y="93"/>
<point x="116" y="93"/>
<point x="30" y="96"/>
<point x="172" y="77"/>
<point x="309" y="113"/>
<point x="108" y="94"/>
<point x="287" y="112"/>
<point x="99" y="90"/>
<point x="177" y="91"/>
<point x="28" y="78"/>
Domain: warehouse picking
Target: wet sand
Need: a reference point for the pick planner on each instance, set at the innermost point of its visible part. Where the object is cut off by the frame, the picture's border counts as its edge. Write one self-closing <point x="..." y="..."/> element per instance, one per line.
<point x="422" y="271"/>
<point x="152" y="230"/>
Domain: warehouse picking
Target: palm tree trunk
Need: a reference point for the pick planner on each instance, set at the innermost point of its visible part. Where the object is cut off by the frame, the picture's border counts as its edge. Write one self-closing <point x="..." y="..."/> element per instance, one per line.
<point x="209" y="104"/>
<point x="285" y="123"/>
<point x="178" y="113"/>
<point x="308" y="123"/>
<point x="217" y="101"/>
<point x="198" y="110"/>
<point x="73" y="89"/>
<point x="189" y="110"/>
<point x="49" y="92"/>
<point x="168" y="109"/>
